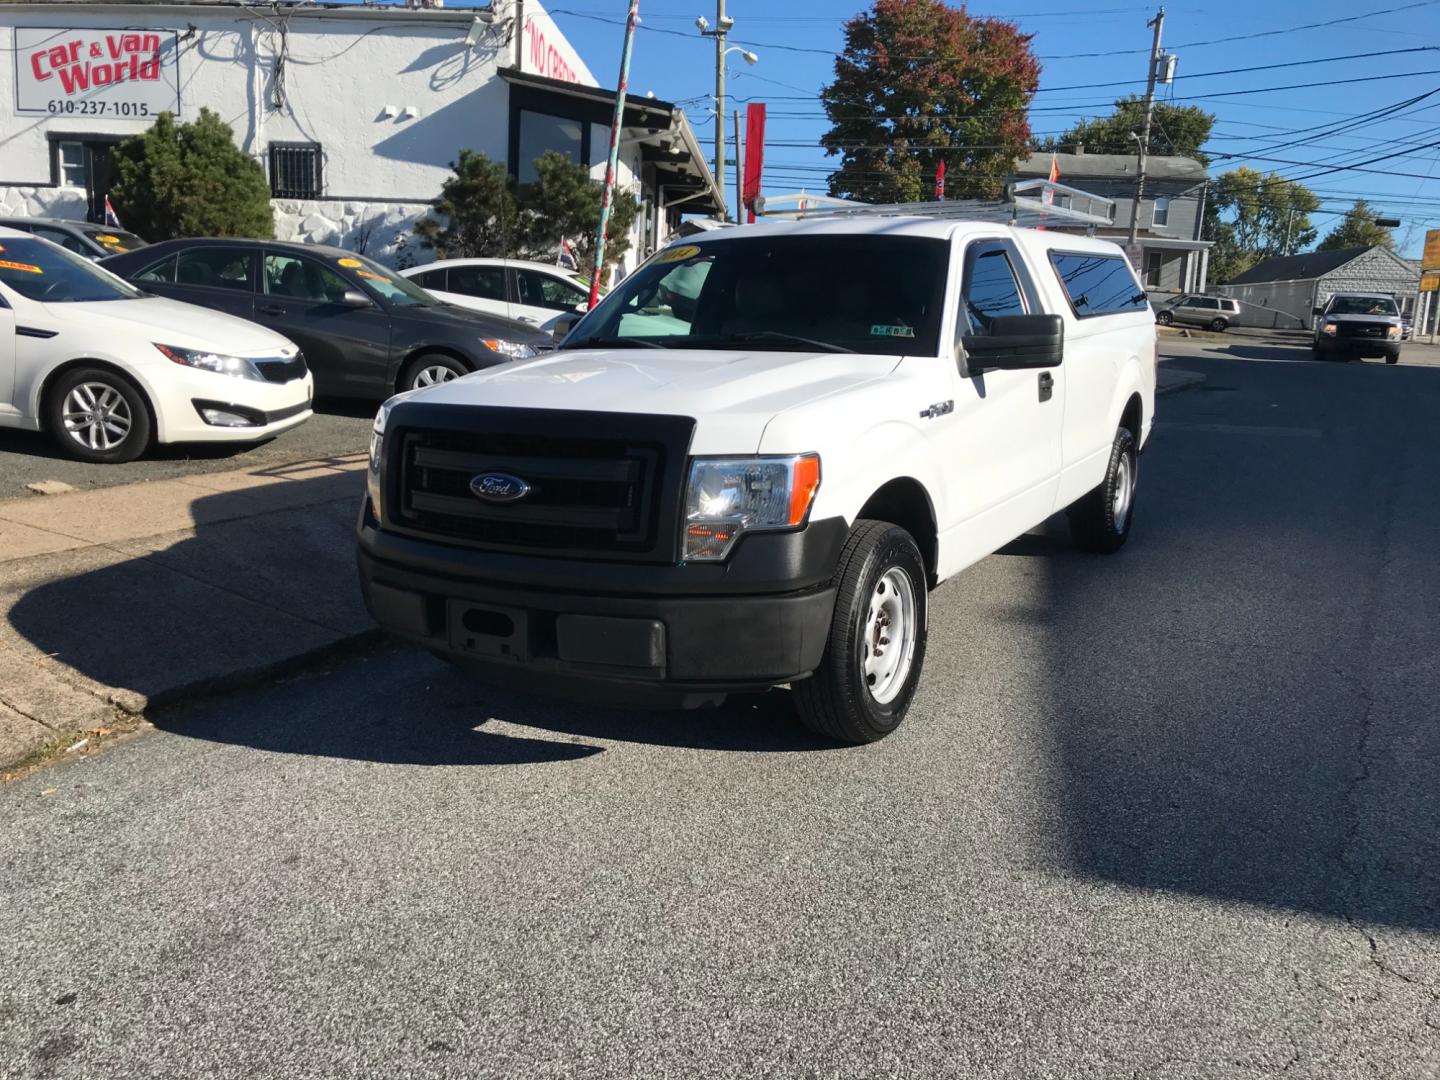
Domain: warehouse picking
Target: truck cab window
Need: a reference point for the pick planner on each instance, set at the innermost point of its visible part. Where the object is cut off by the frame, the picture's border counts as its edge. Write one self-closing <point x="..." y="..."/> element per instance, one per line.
<point x="990" y="292"/>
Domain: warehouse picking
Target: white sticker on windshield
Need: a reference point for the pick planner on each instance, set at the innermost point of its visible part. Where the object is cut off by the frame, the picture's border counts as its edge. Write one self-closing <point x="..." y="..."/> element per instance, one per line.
<point x="882" y="330"/>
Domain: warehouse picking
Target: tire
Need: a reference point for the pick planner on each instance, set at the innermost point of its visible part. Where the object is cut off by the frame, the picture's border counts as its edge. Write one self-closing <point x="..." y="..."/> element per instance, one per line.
<point x="880" y="572"/>
<point x="429" y="369"/>
<point x="1218" y="325"/>
<point x="1164" y="318"/>
<point x="1393" y="359"/>
<point x="1100" y="521"/>
<point x="97" y="415"/>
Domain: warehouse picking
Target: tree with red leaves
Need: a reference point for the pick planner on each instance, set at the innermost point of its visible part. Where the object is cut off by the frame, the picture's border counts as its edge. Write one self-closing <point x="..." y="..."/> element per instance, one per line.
<point x="920" y="83"/>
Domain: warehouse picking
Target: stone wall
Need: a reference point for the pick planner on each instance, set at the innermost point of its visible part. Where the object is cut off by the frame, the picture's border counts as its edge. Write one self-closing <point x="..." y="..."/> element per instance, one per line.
<point x="382" y="230"/>
<point x="54" y="202"/>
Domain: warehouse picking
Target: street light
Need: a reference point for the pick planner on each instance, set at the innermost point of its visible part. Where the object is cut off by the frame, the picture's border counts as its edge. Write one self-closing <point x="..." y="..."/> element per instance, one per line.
<point x="723" y="25"/>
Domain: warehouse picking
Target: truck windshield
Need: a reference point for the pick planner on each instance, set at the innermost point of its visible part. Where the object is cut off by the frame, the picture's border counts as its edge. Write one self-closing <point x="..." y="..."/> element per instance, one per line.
<point x="39" y="270"/>
<point x="1362" y="305"/>
<point x="832" y="293"/>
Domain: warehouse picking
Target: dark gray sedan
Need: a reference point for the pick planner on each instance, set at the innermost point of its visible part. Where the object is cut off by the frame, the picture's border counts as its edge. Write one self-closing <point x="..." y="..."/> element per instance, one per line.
<point x="92" y="241"/>
<point x="365" y="330"/>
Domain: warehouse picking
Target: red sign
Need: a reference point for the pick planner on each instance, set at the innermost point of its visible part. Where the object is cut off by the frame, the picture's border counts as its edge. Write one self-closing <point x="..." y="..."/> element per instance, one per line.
<point x="545" y="58"/>
<point x="119" y="58"/>
<point x="129" y="74"/>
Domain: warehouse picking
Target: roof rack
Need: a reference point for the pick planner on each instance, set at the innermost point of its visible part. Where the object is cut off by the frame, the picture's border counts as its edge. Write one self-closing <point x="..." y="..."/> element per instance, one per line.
<point x="1026" y="202"/>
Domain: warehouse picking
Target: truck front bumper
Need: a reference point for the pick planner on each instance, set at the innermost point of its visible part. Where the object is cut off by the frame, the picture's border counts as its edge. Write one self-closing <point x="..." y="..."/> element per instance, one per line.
<point x="1357" y="347"/>
<point x="620" y="633"/>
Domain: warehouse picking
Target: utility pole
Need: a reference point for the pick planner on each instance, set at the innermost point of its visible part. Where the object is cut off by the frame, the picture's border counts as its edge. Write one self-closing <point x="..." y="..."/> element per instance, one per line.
<point x="614" y="159"/>
<point x="739" y="174"/>
<point x="722" y="28"/>
<point x="1159" y="24"/>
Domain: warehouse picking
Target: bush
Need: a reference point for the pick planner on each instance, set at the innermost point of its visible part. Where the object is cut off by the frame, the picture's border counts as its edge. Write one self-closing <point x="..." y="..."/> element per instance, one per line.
<point x="190" y="180"/>
<point x="482" y="213"/>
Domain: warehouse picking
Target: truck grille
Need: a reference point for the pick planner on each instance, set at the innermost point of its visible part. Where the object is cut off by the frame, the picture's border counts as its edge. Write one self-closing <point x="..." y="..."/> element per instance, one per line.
<point x="1360" y="330"/>
<point x="600" y="484"/>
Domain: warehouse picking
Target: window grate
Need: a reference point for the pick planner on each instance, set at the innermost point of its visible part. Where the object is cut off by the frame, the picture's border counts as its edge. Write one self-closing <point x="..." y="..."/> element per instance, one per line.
<point x="295" y="171"/>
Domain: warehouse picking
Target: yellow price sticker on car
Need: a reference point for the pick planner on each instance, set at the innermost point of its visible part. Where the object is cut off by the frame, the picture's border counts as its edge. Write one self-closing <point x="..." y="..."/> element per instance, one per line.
<point x="108" y="239"/>
<point x="6" y="264"/>
<point x="372" y="276"/>
<point x="677" y="254"/>
<point x="349" y="264"/>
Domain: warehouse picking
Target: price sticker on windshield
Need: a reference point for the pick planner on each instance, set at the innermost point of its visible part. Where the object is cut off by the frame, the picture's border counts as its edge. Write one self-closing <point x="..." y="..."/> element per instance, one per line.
<point x="349" y="264"/>
<point x="372" y="276"/>
<point x="6" y="264"/>
<point x="677" y="254"/>
<point x="108" y="239"/>
<point x="883" y="330"/>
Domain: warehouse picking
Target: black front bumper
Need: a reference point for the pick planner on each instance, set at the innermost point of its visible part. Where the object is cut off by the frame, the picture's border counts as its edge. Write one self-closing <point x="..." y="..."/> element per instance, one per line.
<point x="1357" y="346"/>
<point x="658" y="634"/>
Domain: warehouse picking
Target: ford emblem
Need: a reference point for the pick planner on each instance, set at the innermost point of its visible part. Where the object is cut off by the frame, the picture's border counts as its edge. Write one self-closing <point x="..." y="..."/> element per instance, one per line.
<point x="498" y="487"/>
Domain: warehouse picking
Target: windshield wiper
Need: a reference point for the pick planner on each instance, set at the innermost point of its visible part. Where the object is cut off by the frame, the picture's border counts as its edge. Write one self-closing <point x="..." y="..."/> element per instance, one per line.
<point x="615" y="343"/>
<point x="776" y="335"/>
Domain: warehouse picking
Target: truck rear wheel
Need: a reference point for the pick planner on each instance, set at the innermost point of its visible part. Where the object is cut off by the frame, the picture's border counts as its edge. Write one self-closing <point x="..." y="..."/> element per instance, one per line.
<point x="876" y="647"/>
<point x="1100" y="520"/>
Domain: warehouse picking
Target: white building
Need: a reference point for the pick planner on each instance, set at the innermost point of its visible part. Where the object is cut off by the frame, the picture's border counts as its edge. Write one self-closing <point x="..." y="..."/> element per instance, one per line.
<point x="355" y="112"/>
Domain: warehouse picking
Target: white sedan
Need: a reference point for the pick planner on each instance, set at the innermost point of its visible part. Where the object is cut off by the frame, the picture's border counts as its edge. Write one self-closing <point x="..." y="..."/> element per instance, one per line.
<point x="108" y="369"/>
<point x="530" y="292"/>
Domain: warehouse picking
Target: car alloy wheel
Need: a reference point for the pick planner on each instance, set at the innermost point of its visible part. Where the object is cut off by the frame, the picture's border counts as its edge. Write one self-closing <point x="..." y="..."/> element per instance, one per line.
<point x="432" y="374"/>
<point x="97" y="416"/>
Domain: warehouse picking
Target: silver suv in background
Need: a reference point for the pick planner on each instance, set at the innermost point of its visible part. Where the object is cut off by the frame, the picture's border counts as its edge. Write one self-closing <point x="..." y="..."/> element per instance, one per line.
<point x="1212" y="312"/>
<point x="1358" y="325"/>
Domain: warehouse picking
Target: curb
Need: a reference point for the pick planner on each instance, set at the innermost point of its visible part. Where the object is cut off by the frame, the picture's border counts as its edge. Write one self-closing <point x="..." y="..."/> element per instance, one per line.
<point x="1188" y="381"/>
<point x="131" y="722"/>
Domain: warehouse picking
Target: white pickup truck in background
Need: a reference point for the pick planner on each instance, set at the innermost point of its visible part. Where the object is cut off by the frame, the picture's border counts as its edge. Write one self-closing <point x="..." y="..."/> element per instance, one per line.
<point x="748" y="465"/>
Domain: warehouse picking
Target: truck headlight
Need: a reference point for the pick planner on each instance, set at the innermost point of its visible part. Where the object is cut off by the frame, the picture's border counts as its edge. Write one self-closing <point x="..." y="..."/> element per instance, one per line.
<point x="202" y="360"/>
<point x="1394" y="331"/>
<point x="513" y="350"/>
<point x="727" y="496"/>
<point x="377" y="450"/>
<point x="1328" y="328"/>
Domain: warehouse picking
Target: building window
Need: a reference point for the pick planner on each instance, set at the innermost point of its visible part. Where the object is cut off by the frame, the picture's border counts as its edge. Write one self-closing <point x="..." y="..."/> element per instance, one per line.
<point x="1162" y="211"/>
<point x="72" y="164"/>
<point x="295" y="171"/>
<point x="540" y="132"/>
<point x="1153" y="260"/>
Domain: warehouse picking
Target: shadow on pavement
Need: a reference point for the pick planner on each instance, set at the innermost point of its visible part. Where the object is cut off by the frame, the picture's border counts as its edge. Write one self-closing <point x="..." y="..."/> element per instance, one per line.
<point x="1243" y="703"/>
<point x="267" y="575"/>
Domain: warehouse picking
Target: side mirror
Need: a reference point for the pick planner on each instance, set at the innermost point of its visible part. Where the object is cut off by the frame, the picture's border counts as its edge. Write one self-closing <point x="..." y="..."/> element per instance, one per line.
<point x="354" y="298"/>
<point x="564" y="324"/>
<point x="1016" y="342"/>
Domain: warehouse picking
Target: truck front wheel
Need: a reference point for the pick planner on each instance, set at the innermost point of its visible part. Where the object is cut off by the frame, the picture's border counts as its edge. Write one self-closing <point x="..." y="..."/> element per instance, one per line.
<point x="876" y="647"/>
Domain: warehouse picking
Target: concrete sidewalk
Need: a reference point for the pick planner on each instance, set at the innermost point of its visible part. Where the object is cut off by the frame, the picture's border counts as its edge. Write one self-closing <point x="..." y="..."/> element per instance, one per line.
<point x="115" y="600"/>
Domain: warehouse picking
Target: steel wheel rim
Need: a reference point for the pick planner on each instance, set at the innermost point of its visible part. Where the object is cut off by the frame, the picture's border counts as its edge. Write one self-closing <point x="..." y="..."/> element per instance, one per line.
<point x="888" y="638"/>
<point x="97" y="416"/>
<point x="431" y="375"/>
<point x="1124" y="494"/>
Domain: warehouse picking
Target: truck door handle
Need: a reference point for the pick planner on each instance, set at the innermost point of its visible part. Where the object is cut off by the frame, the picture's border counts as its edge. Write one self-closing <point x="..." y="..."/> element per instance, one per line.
<point x="1047" y="385"/>
<point x="271" y="309"/>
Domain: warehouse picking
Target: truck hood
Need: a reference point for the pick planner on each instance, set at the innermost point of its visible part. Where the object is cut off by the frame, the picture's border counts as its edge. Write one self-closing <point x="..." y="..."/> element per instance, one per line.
<point x="172" y="322"/>
<point x="733" y="394"/>
<point x="1364" y="320"/>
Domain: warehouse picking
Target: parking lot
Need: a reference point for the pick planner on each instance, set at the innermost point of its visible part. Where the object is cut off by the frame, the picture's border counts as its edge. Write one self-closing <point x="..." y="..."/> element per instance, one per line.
<point x="1167" y="814"/>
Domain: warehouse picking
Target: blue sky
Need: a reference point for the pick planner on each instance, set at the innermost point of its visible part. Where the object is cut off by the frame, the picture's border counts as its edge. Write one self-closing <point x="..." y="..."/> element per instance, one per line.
<point x="672" y="60"/>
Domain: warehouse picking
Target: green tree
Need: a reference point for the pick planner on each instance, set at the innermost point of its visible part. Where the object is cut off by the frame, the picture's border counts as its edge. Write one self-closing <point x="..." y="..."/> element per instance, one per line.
<point x="482" y="213"/>
<point x="476" y="215"/>
<point x="1252" y="216"/>
<point x="919" y="83"/>
<point x="564" y="204"/>
<point x="1179" y="130"/>
<point x="190" y="180"/>
<point x="1358" y="229"/>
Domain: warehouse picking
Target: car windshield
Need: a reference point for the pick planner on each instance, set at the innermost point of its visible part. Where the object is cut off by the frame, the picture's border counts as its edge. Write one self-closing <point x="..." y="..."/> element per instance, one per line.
<point x="39" y="270"/>
<point x="386" y="284"/>
<point x="1362" y="305"/>
<point x="832" y="293"/>
<point x="114" y="241"/>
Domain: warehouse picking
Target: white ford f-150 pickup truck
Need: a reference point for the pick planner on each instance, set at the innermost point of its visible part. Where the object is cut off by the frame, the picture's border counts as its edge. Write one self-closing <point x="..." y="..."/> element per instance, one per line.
<point x="750" y="463"/>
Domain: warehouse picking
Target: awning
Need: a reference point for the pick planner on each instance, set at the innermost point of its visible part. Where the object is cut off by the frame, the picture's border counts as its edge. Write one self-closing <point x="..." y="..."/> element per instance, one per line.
<point x="666" y="140"/>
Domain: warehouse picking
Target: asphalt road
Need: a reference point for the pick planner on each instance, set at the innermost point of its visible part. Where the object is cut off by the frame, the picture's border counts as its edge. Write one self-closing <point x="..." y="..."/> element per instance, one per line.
<point x="1171" y="813"/>
<point x="338" y="427"/>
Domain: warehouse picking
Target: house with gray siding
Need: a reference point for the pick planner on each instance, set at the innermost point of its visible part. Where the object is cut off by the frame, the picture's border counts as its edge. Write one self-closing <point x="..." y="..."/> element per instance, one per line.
<point x="1283" y="291"/>
<point x="1173" y="258"/>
